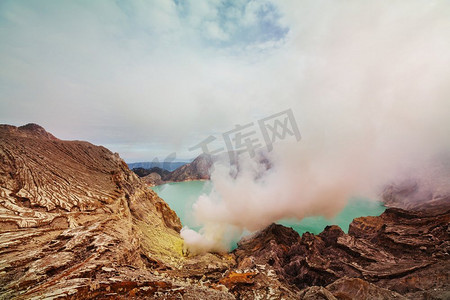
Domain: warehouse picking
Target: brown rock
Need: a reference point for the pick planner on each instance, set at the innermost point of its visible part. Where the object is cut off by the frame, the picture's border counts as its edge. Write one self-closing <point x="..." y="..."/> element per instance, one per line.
<point x="77" y="223"/>
<point x="196" y="170"/>
<point x="316" y="293"/>
<point x="358" y="289"/>
<point x="234" y="279"/>
<point x="402" y="251"/>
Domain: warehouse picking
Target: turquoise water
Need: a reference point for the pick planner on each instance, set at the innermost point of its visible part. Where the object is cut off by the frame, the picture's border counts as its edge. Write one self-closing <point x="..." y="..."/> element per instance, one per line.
<point x="182" y="195"/>
<point x="356" y="207"/>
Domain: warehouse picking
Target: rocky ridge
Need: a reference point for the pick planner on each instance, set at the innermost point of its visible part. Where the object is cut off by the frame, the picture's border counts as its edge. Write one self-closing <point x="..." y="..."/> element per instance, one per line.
<point x="75" y="222"/>
<point x="198" y="169"/>
<point x="201" y="168"/>
<point x="401" y="252"/>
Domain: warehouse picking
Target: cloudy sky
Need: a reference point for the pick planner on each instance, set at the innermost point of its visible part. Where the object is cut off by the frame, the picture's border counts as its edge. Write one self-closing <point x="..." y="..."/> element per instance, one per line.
<point x="148" y="78"/>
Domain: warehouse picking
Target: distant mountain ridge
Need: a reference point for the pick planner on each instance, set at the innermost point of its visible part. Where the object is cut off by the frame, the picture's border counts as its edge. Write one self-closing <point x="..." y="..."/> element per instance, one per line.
<point x="169" y="166"/>
<point x="198" y="169"/>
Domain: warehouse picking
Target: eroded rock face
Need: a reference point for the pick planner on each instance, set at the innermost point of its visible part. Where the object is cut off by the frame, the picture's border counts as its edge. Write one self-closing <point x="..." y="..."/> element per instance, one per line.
<point x="75" y="222"/>
<point x="406" y="252"/>
<point x="358" y="289"/>
<point x="349" y="288"/>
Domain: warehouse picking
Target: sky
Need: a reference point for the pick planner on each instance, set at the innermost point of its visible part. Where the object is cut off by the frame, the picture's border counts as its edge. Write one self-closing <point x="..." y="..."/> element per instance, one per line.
<point x="149" y="78"/>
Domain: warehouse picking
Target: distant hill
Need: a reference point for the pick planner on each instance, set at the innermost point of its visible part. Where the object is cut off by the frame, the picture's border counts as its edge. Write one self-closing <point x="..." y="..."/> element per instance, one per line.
<point x="198" y="169"/>
<point x="169" y="166"/>
<point x="141" y="172"/>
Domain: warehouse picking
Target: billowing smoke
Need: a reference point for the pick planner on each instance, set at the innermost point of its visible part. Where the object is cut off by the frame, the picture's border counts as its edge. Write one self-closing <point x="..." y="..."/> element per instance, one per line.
<point x="371" y="96"/>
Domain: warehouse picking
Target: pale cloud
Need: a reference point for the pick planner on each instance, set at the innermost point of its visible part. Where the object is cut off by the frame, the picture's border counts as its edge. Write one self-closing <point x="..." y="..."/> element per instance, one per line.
<point x="124" y="71"/>
<point x="165" y="74"/>
<point x="368" y="82"/>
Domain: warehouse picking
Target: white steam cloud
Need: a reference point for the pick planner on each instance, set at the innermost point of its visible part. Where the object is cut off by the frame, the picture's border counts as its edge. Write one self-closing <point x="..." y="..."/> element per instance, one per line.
<point x="374" y="108"/>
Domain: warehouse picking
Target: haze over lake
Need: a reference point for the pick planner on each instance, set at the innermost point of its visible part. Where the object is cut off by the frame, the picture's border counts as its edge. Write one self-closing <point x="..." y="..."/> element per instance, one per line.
<point x="181" y="196"/>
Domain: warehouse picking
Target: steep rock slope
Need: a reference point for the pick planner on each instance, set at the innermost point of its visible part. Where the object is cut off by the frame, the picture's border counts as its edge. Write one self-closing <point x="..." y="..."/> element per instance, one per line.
<point x="75" y="222"/>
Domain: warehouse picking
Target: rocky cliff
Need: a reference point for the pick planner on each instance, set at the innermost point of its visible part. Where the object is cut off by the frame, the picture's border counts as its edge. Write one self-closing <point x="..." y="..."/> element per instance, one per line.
<point x="75" y="222"/>
<point x="398" y="253"/>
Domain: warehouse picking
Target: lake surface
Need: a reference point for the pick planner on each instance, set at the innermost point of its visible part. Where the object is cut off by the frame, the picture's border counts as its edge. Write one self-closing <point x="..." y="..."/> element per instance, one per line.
<point x="182" y="195"/>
